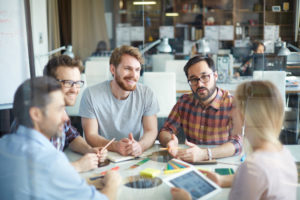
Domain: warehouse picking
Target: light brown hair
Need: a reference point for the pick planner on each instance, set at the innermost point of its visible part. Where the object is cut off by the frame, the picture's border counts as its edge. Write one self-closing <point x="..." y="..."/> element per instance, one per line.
<point x="117" y="54"/>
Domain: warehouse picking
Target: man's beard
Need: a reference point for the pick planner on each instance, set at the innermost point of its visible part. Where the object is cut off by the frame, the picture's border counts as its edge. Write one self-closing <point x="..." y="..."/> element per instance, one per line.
<point x="123" y="85"/>
<point x="209" y="94"/>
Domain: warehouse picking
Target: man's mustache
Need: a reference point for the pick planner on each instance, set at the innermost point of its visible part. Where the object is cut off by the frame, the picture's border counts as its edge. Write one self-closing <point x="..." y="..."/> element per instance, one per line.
<point x="201" y="88"/>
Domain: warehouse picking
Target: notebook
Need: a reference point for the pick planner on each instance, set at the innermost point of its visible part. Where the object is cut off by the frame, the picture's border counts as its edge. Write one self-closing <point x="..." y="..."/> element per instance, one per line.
<point x="116" y="157"/>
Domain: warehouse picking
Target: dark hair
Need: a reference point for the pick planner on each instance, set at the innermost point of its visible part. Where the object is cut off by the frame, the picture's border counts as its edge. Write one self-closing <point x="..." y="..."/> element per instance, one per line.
<point x="256" y="44"/>
<point x="32" y="93"/>
<point x="61" y="61"/>
<point x="117" y="54"/>
<point x="197" y="59"/>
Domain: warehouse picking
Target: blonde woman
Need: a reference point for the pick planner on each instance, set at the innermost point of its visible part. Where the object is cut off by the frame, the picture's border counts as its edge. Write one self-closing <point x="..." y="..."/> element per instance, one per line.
<point x="269" y="172"/>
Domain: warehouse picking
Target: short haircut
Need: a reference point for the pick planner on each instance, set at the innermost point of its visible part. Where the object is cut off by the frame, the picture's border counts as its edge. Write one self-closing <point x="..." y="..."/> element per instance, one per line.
<point x="261" y="105"/>
<point x="117" y="54"/>
<point x="61" y="61"/>
<point x="197" y="59"/>
<point x="256" y="44"/>
<point x="32" y="93"/>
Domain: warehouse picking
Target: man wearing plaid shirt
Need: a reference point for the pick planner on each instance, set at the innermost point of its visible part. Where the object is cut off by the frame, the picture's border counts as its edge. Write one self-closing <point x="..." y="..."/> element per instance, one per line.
<point x="204" y="116"/>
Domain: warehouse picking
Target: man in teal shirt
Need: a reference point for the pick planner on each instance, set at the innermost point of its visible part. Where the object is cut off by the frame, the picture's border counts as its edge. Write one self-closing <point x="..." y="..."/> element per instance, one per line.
<point x="31" y="167"/>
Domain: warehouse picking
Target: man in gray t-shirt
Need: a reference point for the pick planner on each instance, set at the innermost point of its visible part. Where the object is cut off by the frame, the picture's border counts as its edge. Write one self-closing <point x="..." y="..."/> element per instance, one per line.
<point x="121" y="108"/>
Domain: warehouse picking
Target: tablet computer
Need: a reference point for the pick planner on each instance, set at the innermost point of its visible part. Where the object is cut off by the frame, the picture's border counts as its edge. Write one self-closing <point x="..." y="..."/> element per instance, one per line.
<point x="193" y="181"/>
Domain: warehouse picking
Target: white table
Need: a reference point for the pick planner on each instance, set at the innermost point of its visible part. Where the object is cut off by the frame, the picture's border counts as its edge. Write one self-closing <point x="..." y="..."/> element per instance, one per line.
<point x="162" y="191"/>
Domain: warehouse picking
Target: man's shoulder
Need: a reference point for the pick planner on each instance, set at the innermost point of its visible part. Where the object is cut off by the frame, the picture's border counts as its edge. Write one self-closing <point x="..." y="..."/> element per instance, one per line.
<point x="143" y="89"/>
<point x="186" y="98"/>
<point x="100" y="88"/>
<point x="225" y="94"/>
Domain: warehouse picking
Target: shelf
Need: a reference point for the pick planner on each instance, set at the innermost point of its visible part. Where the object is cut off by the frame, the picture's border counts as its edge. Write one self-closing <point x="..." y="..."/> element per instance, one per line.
<point x="249" y="11"/>
<point x="219" y="11"/>
<point x="279" y="12"/>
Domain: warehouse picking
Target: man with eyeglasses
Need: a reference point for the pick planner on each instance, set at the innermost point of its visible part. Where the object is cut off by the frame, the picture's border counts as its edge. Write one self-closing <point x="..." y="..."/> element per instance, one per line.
<point x="203" y="115"/>
<point x="31" y="168"/>
<point x="67" y="72"/>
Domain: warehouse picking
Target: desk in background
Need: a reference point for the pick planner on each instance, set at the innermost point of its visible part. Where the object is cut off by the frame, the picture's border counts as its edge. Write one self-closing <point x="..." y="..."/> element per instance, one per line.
<point x="162" y="192"/>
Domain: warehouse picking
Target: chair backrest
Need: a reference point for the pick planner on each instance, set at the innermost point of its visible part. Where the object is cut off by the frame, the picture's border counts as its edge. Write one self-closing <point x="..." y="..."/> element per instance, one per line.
<point x="163" y="86"/>
<point x="74" y="110"/>
<point x="276" y="77"/>
<point x="177" y="66"/>
<point x="97" y="71"/>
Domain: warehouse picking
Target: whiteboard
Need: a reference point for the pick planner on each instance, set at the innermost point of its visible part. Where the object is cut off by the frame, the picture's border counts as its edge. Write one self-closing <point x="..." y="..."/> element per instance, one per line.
<point x="14" y="60"/>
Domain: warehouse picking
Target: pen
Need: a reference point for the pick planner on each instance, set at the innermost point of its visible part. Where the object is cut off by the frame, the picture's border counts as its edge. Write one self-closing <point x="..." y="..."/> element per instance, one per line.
<point x="96" y="177"/>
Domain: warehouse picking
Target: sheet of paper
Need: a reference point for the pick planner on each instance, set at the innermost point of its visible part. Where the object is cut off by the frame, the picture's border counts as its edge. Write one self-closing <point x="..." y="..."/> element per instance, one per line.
<point x="226" y="32"/>
<point x="123" y="34"/>
<point x="137" y="33"/>
<point x="116" y="157"/>
<point x="212" y="32"/>
<point x="271" y="32"/>
<point x="166" y="31"/>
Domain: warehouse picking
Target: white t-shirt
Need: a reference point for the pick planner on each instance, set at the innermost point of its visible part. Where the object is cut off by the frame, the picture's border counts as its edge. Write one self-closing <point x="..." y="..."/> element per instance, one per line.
<point x="266" y="175"/>
<point x="117" y="118"/>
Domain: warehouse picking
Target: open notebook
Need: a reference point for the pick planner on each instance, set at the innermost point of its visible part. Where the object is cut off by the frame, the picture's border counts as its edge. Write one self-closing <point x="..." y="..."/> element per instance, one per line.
<point x="116" y="157"/>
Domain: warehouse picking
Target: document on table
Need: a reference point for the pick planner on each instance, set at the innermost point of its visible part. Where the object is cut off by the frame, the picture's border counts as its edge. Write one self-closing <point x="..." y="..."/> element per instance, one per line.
<point x="116" y="157"/>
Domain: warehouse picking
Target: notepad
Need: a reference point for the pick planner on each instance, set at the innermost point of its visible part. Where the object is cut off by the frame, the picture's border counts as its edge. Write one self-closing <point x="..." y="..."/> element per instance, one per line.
<point x="150" y="173"/>
<point x="116" y="157"/>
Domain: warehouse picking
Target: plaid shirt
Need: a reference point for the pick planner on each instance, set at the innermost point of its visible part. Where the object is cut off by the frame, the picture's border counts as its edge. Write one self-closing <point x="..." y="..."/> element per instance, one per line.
<point x="210" y="125"/>
<point x="68" y="136"/>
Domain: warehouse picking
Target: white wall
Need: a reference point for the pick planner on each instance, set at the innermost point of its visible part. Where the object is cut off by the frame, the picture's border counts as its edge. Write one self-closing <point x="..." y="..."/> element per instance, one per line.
<point x="38" y="10"/>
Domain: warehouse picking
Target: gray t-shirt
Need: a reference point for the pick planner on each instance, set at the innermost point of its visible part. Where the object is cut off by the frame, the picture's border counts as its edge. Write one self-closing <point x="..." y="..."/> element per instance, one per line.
<point x="117" y="118"/>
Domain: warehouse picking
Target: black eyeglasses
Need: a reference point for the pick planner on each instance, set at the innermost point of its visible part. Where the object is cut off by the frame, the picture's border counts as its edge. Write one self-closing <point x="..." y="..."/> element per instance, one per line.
<point x="204" y="79"/>
<point x="69" y="83"/>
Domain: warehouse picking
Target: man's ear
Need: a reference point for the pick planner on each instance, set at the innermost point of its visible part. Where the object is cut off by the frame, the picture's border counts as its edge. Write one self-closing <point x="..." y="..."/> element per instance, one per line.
<point x="35" y="114"/>
<point x="112" y="69"/>
<point x="216" y="75"/>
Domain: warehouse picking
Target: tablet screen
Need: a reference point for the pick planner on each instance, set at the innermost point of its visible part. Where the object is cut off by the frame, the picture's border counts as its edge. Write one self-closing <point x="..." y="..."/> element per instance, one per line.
<point x="196" y="185"/>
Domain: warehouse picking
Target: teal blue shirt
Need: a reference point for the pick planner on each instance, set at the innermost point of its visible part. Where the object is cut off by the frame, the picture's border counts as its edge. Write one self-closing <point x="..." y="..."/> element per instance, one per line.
<point x="31" y="168"/>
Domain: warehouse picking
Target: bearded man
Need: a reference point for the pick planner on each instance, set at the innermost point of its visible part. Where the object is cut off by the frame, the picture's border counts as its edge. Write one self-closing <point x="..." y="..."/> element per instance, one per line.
<point x="121" y="108"/>
<point x="203" y="115"/>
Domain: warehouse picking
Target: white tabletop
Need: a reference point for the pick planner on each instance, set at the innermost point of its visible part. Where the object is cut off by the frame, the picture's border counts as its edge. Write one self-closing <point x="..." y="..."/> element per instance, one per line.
<point x="162" y="191"/>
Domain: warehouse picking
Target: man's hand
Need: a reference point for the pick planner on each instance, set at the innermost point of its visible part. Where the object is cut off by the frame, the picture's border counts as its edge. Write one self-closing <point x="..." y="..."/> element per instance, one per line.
<point x="87" y="162"/>
<point x="192" y="154"/>
<point x="102" y="155"/>
<point x="112" y="179"/>
<point x="111" y="182"/>
<point x="134" y="148"/>
<point x="173" y="146"/>
<point x="180" y="194"/>
<point x="121" y="146"/>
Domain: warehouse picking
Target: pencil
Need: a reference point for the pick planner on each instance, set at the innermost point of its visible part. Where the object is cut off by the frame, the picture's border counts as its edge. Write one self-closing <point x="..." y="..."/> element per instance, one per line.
<point x="108" y="143"/>
<point x="167" y="148"/>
